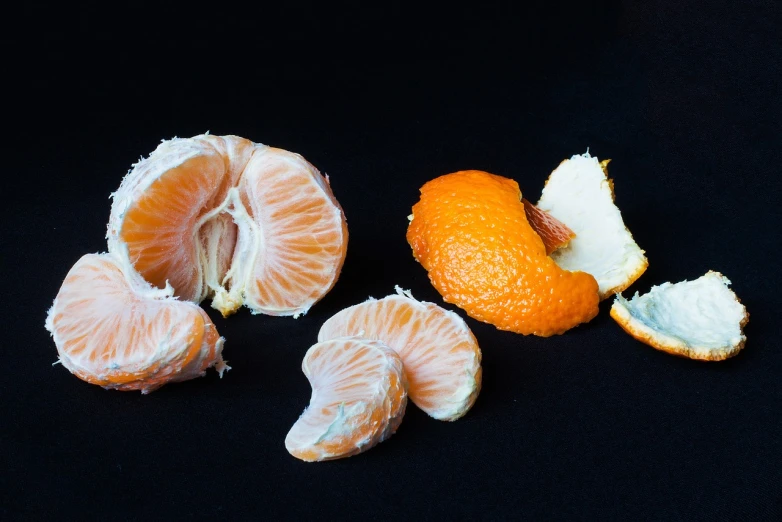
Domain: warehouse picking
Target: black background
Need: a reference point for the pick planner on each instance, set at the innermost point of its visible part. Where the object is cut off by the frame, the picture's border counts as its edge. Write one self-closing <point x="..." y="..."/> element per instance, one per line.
<point x="589" y="425"/>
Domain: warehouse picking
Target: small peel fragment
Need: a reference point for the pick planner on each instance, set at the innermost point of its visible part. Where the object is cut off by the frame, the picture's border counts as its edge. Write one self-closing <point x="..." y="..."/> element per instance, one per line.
<point x="553" y="232"/>
<point x="701" y="319"/>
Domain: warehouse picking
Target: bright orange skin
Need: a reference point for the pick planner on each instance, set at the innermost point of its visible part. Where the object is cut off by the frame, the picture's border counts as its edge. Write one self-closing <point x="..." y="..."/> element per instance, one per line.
<point x="470" y="231"/>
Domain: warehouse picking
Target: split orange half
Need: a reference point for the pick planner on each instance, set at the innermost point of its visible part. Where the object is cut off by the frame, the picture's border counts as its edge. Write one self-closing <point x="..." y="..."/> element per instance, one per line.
<point x="224" y="217"/>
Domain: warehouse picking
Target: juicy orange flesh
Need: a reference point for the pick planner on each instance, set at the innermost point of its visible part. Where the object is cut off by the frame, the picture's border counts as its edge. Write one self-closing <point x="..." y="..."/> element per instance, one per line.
<point x="441" y="357"/>
<point x="470" y="231"/>
<point x="285" y="261"/>
<point x="362" y="427"/>
<point x="553" y="232"/>
<point x="282" y="196"/>
<point x="104" y="317"/>
<point x="158" y="227"/>
<point x="235" y="153"/>
<point x="347" y="376"/>
<point x="400" y="316"/>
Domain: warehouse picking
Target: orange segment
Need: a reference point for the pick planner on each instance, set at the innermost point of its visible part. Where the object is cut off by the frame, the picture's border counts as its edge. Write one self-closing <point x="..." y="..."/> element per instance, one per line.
<point x="157" y="211"/>
<point x="553" y="232"/>
<point x="301" y="235"/>
<point x="441" y="356"/>
<point x="218" y="238"/>
<point x="358" y="399"/>
<point x="112" y="329"/>
<point x="470" y="231"/>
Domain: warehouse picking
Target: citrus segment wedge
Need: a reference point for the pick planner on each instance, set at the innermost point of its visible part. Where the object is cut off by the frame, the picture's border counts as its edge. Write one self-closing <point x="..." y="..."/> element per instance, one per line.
<point x="158" y="210"/>
<point x="113" y="329"/>
<point x="441" y="356"/>
<point x="291" y="252"/>
<point x="359" y="395"/>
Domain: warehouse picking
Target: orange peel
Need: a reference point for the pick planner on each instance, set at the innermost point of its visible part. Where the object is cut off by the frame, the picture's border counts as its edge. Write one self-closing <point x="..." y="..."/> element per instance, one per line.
<point x="701" y="319"/>
<point x="579" y="194"/>
<point x="470" y="231"/>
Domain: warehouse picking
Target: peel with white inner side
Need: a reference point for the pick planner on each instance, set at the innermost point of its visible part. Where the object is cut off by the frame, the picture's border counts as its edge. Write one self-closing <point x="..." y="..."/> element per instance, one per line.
<point x="701" y="319"/>
<point x="579" y="194"/>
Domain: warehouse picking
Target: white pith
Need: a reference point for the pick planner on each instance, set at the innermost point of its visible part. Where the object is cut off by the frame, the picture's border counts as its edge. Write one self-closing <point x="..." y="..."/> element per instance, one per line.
<point x="579" y="194"/>
<point x="702" y="319"/>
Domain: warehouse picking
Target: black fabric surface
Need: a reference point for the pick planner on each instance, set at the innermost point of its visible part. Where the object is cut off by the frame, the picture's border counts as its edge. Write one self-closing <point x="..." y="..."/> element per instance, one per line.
<point x="590" y="425"/>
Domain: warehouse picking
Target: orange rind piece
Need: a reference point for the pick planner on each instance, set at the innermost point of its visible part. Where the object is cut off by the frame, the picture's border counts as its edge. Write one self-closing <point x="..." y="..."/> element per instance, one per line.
<point x="470" y="231"/>
<point x="553" y="232"/>
<point x="701" y="319"/>
<point x="579" y="194"/>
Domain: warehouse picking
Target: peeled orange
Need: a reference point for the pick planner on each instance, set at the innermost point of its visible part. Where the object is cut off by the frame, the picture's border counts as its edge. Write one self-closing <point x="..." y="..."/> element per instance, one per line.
<point x="441" y="357"/>
<point x="224" y="217"/>
<point x="113" y="329"/>
<point x="359" y="395"/>
<point x="206" y="216"/>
